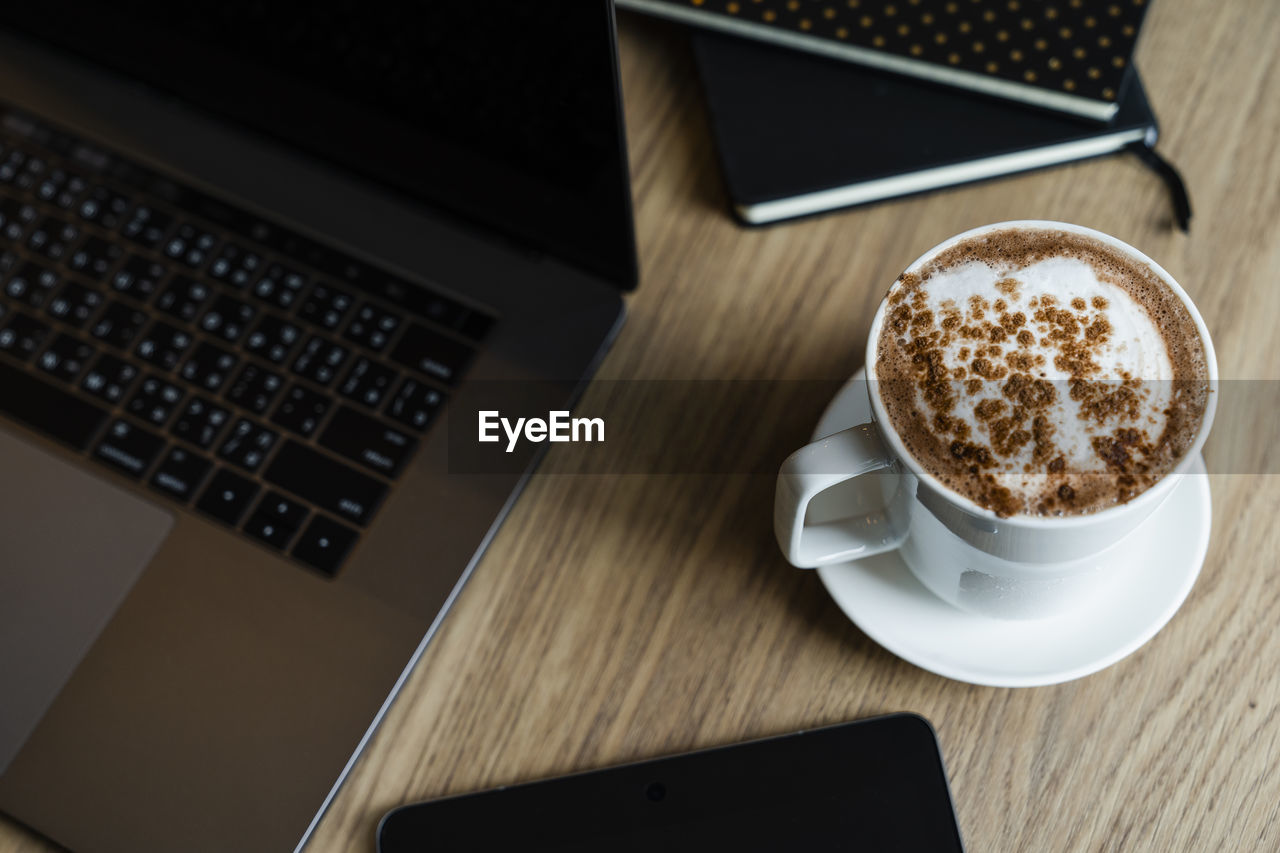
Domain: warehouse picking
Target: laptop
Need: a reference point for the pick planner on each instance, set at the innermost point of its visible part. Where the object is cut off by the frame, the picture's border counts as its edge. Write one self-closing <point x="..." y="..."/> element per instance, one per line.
<point x="252" y="256"/>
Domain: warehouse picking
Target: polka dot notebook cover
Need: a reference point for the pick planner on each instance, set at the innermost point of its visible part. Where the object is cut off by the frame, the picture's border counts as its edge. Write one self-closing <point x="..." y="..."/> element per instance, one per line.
<point x="1068" y="55"/>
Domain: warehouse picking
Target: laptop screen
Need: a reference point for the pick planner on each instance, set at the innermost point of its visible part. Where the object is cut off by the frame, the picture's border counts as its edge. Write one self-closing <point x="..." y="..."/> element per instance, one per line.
<point x="503" y="112"/>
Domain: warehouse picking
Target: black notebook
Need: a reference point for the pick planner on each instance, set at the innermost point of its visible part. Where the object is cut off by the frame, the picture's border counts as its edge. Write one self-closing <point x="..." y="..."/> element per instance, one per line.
<point x="799" y="134"/>
<point x="1066" y="55"/>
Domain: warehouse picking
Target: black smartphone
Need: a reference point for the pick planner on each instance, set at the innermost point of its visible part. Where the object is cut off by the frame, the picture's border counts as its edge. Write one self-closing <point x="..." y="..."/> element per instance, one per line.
<point x="870" y="785"/>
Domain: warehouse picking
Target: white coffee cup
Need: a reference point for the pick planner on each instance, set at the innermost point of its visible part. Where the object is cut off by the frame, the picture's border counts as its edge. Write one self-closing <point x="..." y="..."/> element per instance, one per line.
<point x="1015" y="567"/>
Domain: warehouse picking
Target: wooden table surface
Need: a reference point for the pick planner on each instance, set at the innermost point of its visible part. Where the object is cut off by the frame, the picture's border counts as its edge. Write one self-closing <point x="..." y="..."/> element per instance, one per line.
<point x="621" y="617"/>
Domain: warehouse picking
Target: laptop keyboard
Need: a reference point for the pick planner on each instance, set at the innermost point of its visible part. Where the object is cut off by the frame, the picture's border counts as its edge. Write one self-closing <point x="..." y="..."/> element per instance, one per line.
<point x="272" y="383"/>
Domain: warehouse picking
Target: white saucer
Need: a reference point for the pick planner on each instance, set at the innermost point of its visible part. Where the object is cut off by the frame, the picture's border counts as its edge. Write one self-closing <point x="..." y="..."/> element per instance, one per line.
<point x="885" y="600"/>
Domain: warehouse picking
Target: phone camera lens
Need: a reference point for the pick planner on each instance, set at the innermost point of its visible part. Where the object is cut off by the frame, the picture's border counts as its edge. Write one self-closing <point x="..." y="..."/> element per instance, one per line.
<point x="656" y="791"/>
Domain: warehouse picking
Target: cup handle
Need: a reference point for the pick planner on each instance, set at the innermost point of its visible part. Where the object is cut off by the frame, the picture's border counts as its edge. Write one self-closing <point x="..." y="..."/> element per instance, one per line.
<point x="816" y="468"/>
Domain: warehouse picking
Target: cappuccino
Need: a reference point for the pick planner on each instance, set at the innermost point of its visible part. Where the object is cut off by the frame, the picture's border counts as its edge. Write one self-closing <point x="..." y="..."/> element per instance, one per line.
<point x="1041" y="372"/>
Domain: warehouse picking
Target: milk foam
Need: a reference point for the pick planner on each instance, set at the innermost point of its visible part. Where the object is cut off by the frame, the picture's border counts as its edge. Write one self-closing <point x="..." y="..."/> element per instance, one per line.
<point x="1135" y="345"/>
<point x="1041" y="372"/>
<point x="1134" y="349"/>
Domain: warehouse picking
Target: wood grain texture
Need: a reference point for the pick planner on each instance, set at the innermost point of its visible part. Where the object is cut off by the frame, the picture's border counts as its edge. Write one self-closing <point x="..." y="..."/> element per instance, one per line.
<point x="621" y="617"/>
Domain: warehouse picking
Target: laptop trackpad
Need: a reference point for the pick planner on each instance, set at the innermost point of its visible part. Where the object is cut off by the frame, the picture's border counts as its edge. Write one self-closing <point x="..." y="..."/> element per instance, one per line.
<point x="71" y="547"/>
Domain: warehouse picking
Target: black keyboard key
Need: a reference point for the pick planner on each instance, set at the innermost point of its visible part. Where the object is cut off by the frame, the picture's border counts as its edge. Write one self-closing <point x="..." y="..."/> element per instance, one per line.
<point x="228" y="318"/>
<point x="415" y="404"/>
<point x="320" y="360"/>
<point x="118" y="325"/>
<point x="139" y="278"/>
<point x="146" y="226"/>
<point x="302" y="410"/>
<point x="248" y="444"/>
<point x="324" y="545"/>
<point x="368" y="382"/>
<point x="163" y="345"/>
<point x="276" y="520"/>
<point x="285" y="511"/>
<point x="209" y="366"/>
<point x="128" y="448"/>
<point x="325" y="306"/>
<point x="262" y="526"/>
<point x="9" y="169"/>
<point x="15" y="218"/>
<point x="65" y="358"/>
<point x="109" y="378"/>
<point x="95" y="258"/>
<point x="53" y="238"/>
<point x="446" y="312"/>
<point x="180" y="473"/>
<point x="31" y="173"/>
<point x="10" y="165"/>
<point x="103" y="207"/>
<point x="200" y="422"/>
<point x="279" y="286"/>
<point x="411" y="298"/>
<point x="22" y="336"/>
<point x="155" y="400"/>
<point x="31" y="284"/>
<point x="369" y="442"/>
<point x="227" y="496"/>
<point x="236" y="265"/>
<point x="272" y="339"/>
<point x="190" y="244"/>
<point x="72" y="192"/>
<point x="75" y="304"/>
<point x="183" y="298"/>
<point x="372" y="327"/>
<point x="255" y="388"/>
<point x="47" y="190"/>
<point x="432" y="354"/>
<point x="28" y="163"/>
<point x="325" y="482"/>
<point x="48" y="409"/>
<point x="61" y="188"/>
